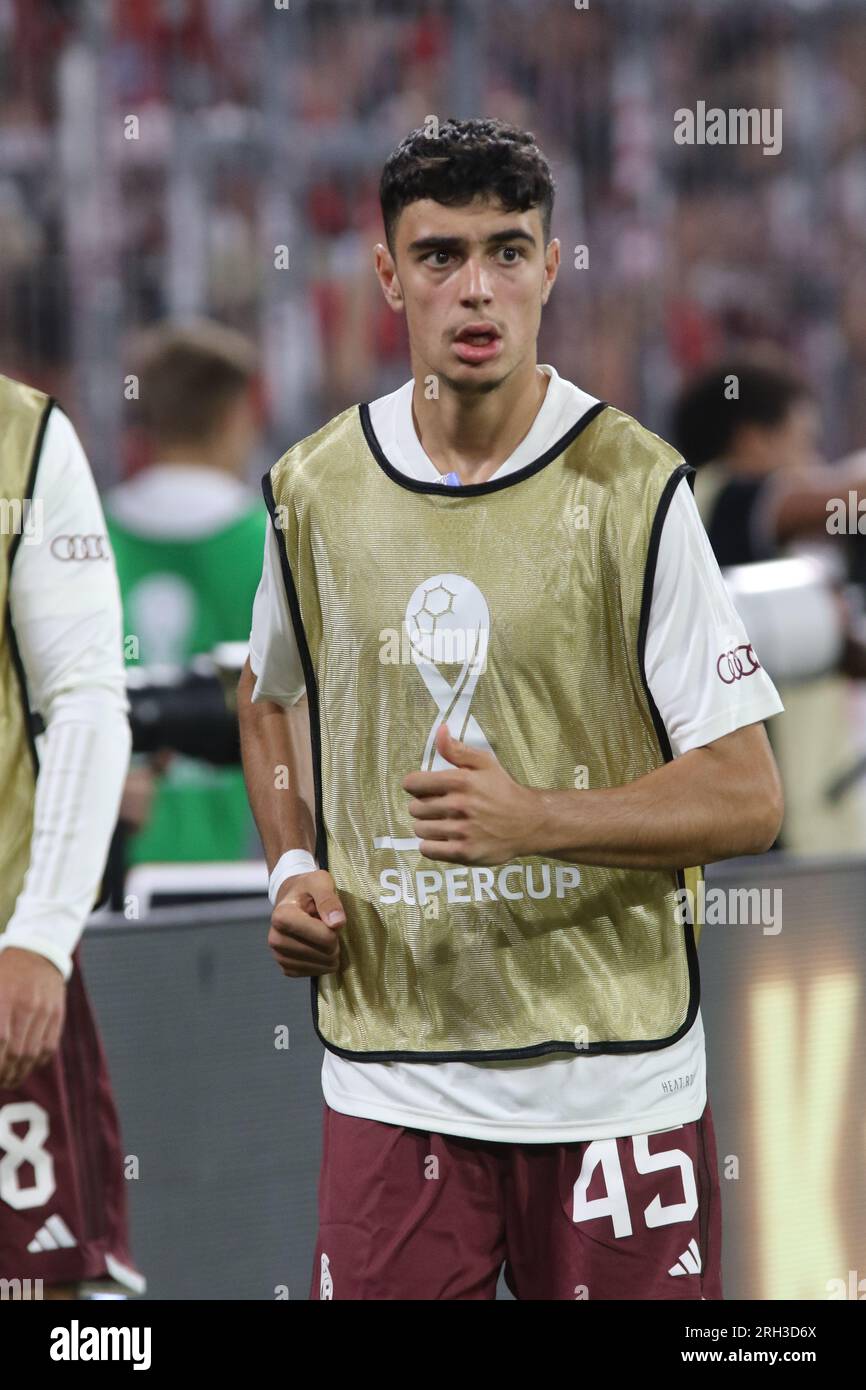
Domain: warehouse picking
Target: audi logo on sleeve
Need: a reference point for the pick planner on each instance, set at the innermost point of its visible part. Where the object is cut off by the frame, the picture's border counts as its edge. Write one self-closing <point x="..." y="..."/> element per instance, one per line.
<point x="80" y="548"/>
<point x="736" y="663"/>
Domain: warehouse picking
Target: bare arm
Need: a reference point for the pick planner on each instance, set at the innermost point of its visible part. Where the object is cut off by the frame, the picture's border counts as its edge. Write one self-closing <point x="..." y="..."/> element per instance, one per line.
<point x="714" y="802"/>
<point x="802" y="504"/>
<point x="278" y="769"/>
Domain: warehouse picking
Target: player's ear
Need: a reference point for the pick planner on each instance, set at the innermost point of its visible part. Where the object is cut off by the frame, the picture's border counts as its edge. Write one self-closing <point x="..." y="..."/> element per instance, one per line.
<point x="551" y="268"/>
<point x="386" y="270"/>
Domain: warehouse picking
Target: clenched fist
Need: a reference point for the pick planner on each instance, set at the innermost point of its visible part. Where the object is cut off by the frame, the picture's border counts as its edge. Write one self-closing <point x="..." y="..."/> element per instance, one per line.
<point x="305" y="925"/>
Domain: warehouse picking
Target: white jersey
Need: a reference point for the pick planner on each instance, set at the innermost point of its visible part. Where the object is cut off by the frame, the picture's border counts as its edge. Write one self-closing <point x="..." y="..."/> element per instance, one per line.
<point x="692" y="623"/>
<point x="65" y="608"/>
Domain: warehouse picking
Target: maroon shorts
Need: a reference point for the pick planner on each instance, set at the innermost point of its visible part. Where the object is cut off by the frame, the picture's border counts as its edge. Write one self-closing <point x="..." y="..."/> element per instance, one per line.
<point x="404" y="1214"/>
<point x="62" y="1189"/>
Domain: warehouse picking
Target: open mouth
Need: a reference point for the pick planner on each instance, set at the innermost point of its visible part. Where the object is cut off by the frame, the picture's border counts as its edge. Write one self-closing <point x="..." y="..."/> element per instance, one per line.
<point x="486" y="336"/>
<point x="477" y="342"/>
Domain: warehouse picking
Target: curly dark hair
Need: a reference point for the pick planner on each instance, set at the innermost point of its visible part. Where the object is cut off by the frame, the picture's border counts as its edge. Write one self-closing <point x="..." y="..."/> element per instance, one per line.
<point x="467" y="159"/>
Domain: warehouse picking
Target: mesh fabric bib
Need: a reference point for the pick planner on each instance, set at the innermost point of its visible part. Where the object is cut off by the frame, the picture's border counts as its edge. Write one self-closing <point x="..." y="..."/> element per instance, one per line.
<point x="516" y="611"/>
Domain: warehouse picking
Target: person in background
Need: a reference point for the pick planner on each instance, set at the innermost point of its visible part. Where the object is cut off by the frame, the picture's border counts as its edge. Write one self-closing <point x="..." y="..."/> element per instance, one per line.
<point x="751" y="428"/>
<point x="187" y="533"/>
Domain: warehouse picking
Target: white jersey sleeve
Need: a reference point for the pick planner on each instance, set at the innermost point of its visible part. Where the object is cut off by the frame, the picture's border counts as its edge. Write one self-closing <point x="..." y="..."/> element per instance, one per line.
<point x="65" y="610"/>
<point x="693" y="626"/>
<point x="274" y="656"/>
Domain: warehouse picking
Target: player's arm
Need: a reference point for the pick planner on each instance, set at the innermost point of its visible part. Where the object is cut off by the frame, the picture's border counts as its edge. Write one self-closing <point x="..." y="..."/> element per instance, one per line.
<point x="66" y="614"/>
<point x="277" y="763"/>
<point x="277" y="770"/>
<point x="715" y="802"/>
<point x="807" y="502"/>
<point x="720" y="795"/>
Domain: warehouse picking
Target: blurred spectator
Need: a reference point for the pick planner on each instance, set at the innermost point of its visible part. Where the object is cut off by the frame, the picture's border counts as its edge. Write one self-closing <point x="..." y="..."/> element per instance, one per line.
<point x="260" y="127"/>
<point x="751" y="428"/>
<point x="188" y="534"/>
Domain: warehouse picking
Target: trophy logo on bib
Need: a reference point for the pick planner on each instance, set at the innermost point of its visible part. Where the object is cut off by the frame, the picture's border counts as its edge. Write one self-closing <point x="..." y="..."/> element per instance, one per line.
<point x="448" y="624"/>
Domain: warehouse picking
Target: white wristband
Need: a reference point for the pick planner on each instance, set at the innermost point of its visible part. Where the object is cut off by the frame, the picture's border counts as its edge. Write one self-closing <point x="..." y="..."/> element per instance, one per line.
<point x="294" y="861"/>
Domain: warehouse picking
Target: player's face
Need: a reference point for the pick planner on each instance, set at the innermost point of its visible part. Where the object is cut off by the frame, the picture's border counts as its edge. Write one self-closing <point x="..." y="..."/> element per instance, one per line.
<point x="472" y="281"/>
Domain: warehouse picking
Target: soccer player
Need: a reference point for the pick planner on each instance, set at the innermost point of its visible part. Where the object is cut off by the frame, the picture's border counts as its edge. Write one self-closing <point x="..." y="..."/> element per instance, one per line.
<point x="498" y="596"/>
<point x="62" y="1195"/>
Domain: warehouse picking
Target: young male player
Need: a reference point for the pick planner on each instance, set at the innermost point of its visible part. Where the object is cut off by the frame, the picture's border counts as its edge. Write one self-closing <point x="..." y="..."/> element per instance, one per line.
<point x="497" y="593"/>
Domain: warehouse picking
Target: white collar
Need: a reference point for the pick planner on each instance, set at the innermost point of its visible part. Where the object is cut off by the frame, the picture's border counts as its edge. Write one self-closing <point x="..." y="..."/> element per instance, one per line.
<point x="391" y="417"/>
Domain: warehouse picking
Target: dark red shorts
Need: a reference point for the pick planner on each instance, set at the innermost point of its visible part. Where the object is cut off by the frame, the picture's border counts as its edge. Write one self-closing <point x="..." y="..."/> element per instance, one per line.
<point x="404" y="1214"/>
<point x="62" y="1189"/>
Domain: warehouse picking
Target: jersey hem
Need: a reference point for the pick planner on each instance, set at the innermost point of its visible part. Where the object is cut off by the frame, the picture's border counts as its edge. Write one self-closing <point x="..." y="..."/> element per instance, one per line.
<point x="502" y="1133"/>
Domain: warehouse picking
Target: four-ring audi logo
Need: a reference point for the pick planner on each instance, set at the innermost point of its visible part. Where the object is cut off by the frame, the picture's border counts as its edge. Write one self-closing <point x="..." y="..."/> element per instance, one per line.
<point x="735" y="664"/>
<point x="80" y="548"/>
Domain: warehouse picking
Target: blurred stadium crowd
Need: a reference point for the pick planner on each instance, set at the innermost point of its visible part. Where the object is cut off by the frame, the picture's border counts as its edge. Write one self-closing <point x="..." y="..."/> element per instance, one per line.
<point x="259" y="126"/>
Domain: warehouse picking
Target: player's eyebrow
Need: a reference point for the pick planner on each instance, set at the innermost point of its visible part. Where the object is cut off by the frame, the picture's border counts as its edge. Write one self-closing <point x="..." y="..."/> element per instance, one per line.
<point x="459" y="243"/>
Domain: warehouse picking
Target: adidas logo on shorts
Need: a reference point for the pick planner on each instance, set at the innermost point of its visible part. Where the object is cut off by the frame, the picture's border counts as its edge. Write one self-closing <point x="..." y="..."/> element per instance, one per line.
<point x="689" y="1261"/>
<point x="54" y="1235"/>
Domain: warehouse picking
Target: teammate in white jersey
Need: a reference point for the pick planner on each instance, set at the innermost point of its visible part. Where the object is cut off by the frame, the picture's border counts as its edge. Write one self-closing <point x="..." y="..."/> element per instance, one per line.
<point x="470" y="262"/>
<point x="63" y="1215"/>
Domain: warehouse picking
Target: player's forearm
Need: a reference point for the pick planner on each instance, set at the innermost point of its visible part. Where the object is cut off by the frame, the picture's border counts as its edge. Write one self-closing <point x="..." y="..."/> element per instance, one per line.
<point x="694" y="810"/>
<point x="278" y="778"/>
<point x="83" y="763"/>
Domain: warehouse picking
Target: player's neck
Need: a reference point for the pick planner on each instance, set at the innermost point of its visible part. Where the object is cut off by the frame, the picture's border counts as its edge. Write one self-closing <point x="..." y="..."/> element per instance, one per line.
<point x="471" y="435"/>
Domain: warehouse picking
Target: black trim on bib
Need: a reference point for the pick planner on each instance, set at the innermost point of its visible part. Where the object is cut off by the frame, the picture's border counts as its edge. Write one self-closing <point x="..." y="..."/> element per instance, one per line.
<point x="474" y="489"/>
<point x="30" y="719"/>
<point x="683" y="470"/>
<point x="321" y="852"/>
<point x="562" y="1046"/>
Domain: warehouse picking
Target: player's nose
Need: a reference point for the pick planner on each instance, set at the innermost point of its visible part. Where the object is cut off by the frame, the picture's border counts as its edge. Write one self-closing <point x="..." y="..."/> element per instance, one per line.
<point x="475" y="286"/>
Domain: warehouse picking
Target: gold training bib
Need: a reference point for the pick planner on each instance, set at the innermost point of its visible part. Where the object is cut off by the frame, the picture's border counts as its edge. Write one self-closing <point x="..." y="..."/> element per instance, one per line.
<point x="516" y="611"/>
<point x="23" y="416"/>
